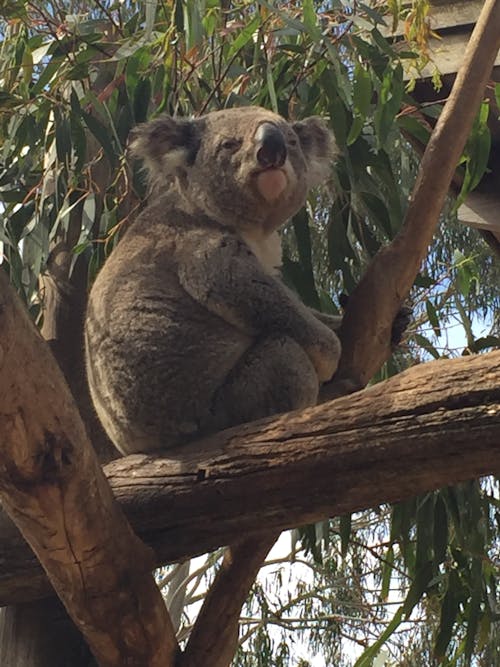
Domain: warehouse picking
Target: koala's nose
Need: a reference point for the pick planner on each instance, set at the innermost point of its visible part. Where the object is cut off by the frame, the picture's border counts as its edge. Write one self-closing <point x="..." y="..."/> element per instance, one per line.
<point x="271" y="147"/>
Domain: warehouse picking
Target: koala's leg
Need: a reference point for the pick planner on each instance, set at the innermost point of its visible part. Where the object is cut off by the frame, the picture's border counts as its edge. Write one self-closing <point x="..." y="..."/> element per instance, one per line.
<point x="274" y="376"/>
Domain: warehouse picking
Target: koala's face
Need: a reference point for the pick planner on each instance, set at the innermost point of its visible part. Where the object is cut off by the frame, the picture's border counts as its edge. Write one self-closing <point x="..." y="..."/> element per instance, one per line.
<point x="245" y="167"/>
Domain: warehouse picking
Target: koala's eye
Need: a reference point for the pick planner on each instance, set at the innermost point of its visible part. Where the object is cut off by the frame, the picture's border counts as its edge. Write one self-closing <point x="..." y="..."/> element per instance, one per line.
<point x="293" y="141"/>
<point x="230" y="144"/>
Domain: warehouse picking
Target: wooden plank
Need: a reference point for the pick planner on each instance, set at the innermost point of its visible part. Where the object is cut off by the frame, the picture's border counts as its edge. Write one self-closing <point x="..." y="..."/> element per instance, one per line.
<point x="481" y="211"/>
<point x="454" y="14"/>
<point x="446" y="55"/>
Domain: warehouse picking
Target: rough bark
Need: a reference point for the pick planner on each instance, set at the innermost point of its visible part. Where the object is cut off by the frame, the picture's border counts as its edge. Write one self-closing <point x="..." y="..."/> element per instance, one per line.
<point x="52" y="486"/>
<point x="434" y="425"/>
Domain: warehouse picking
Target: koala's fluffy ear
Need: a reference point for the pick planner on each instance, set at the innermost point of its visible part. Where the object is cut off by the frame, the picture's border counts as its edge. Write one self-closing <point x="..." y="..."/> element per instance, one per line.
<point x="165" y="145"/>
<point x="318" y="146"/>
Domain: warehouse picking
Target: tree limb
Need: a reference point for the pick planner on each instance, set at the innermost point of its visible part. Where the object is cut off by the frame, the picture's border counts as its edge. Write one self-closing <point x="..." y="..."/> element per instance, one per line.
<point x="434" y="425"/>
<point x="376" y="300"/>
<point x="214" y="637"/>
<point x="53" y="488"/>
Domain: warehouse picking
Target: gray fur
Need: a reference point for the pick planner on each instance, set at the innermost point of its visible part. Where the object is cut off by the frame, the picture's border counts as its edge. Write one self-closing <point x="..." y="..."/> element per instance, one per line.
<point x="189" y="329"/>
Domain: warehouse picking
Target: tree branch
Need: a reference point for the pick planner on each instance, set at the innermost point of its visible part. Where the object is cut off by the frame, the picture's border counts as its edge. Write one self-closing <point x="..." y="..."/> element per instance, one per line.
<point x="214" y="637"/>
<point x="434" y="425"/>
<point x="53" y="488"/>
<point x="373" y="305"/>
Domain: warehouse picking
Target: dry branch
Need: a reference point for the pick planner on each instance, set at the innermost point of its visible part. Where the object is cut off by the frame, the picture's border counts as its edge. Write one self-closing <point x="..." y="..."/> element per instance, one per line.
<point x="433" y="425"/>
<point x="53" y="487"/>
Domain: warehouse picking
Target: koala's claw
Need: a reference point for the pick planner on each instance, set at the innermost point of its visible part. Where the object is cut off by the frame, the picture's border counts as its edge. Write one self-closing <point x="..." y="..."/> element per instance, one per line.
<point x="400" y="324"/>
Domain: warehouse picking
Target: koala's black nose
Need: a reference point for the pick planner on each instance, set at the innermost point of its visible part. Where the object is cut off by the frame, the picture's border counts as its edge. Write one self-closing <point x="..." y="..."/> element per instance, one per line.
<point x="271" y="147"/>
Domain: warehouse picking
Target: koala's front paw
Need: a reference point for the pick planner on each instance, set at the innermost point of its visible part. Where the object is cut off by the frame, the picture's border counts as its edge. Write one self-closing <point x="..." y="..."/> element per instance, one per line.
<point x="325" y="355"/>
<point x="400" y="324"/>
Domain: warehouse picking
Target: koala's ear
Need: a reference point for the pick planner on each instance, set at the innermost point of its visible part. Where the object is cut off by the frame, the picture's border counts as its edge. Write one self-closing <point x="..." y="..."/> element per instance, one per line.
<point x="318" y="146"/>
<point x="165" y="145"/>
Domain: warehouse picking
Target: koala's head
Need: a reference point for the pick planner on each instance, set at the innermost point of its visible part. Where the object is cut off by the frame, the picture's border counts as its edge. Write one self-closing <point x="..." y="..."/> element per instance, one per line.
<point x="245" y="167"/>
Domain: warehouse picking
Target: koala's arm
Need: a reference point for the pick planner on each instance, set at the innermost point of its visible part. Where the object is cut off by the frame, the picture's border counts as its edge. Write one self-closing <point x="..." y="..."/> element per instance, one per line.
<point x="333" y="322"/>
<point x="223" y="275"/>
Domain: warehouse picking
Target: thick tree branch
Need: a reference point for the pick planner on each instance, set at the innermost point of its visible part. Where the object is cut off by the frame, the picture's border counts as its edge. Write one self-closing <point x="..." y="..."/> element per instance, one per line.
<point x="53" y="487"/>
<point x="374" y="304"/>
<point x="433" y="425"/>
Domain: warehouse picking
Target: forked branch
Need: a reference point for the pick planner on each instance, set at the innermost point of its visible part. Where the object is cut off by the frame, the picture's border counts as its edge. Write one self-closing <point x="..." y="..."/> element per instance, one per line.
<point x="388" y="280"/>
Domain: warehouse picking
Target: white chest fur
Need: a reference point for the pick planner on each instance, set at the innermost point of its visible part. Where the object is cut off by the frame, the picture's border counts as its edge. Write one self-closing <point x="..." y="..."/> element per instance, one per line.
<point x="267" y="250"/>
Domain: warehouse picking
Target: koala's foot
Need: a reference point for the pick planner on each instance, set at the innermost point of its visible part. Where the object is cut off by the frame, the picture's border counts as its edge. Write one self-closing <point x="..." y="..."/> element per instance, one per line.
<point x="338" y="387"/>
<point x="274" y="376"/>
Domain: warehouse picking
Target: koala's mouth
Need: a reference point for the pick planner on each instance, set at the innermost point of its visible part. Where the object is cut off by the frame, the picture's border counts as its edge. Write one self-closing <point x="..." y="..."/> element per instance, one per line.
<point x="271" y="183"/>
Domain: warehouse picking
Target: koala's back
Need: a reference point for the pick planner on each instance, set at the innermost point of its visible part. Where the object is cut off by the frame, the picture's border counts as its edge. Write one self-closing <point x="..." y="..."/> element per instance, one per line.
<point x="155" y="357"/>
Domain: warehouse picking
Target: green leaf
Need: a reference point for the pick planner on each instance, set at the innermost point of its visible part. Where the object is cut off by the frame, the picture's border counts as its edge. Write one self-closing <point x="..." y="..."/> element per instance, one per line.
<point x="362" y="96"/>
<point x="311" y="20"/>
<point x="418" y="588"/>
<point x="377" y="210"/>
<point x="424" y="281"/>
<point x="270" y="87"/>
<point x="425" y="528"/>
<point x="473" y="611"/>
<point x="389" y="103"/>
<point x="432" y="317"/>
<point x="414" y="127"/>
<point x="440" y="530"/>
<point x="102" y="135"/>
<point x="387" y="571"/>
<point x="345" y="526"/>
<point x="150" y="18"/>
<point x="426" y="344"/>
<point x="142" y="98"/>
<point x="449" y="613"/>
<point x="8" y="100"/>
<point x="485" y="343"/>
<point x="366" y="659"/>
<point x="465" y="274"/>
<point x="362" y="90"/>
<point x="63" y="136"/>
<point x="244" y="36"/>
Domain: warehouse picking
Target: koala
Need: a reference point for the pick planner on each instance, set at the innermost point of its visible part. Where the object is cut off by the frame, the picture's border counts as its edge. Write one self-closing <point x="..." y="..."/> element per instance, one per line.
<point x="189" y="329"/>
